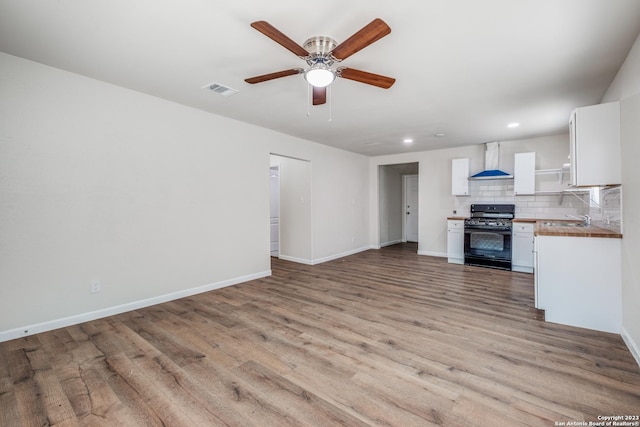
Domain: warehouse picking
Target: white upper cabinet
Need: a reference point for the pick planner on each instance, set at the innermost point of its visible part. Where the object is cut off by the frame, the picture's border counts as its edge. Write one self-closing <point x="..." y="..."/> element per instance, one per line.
<point x="524" y="174"/>
<point x="460" y="177"/>
<point x="595" y="145"/>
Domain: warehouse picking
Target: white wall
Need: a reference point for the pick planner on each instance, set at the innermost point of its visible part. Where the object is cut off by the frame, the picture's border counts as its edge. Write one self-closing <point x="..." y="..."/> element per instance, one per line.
<point x="339" y="197"/>
<point x="390" y="205"/>
<point x="155" y="199"/>
<point x="626" y="89"/>
<point x="435" y="199"/>
<point x="340" y="203"/>
<point x="295" y="210"/>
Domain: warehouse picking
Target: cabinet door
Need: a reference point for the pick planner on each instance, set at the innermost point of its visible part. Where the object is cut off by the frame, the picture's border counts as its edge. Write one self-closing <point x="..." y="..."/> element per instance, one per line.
<point x="460" y="177"/>
<point x="578" y="283"/>
<point x="595" y="145"/>
<point x="524" y="171"/>
<point x="522" y="257"/>
<point x="455" y="241"/>
<point x="536" y="274"/>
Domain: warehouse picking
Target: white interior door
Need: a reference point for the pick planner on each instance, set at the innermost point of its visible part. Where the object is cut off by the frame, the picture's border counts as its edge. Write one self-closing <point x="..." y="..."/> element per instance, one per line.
<point x="274" y="173"/>
<point x="410" y="191"/>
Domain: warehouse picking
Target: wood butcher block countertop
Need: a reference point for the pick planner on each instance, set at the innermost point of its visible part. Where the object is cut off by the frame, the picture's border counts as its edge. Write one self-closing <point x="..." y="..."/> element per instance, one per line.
<point x="456" y="218"/>
<point x="558" y="230"/>
<point x="568" y="231"/>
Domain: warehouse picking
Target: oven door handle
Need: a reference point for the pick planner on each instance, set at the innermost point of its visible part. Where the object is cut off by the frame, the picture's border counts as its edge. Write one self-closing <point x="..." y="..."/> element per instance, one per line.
<point x="485" y="230"/>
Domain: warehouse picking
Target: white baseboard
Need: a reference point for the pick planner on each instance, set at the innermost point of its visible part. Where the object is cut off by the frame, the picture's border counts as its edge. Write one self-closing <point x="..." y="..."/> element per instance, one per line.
<point x="294" y="259"/>
<point x="341" y="255"/>
<point x="631" y="344"/>
<point x="110" y="311"/>
<point x="328" y="258"/>
<point x="429" y="253"/>
<point x="521" y="269"/>
<point x="392" y="242"/>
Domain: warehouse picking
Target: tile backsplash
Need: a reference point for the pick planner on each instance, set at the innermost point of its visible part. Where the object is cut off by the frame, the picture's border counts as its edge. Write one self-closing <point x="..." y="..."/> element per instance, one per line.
<point x="609" y="213"/>
<point x="605" y="210"/>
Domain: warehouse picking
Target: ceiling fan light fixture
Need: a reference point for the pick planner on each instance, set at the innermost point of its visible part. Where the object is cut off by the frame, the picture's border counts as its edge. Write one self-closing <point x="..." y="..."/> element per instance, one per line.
<point x="319" y="75"/>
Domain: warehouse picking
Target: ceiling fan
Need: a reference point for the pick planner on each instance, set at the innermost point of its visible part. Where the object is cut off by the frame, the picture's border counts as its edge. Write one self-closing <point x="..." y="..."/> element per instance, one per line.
<point x="321" y="53"/>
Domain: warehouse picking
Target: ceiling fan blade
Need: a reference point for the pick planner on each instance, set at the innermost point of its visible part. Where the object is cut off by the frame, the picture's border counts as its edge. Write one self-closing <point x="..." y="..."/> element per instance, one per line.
<point x="373" y="31"/>
<point x="274" y="34"/>
<point x="366" y="77"/>
<point x="271" y="76"/>
<point x="319" y="95"/>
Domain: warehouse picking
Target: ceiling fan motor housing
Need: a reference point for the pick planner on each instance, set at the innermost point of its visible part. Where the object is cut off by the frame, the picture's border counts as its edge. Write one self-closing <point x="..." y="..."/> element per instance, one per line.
<point x="319" y="48"/>
<point x="320" y="45"/>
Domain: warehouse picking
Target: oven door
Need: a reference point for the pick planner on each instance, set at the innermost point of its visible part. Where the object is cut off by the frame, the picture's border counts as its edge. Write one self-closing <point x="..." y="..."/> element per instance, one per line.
<point x="488" y="246"/>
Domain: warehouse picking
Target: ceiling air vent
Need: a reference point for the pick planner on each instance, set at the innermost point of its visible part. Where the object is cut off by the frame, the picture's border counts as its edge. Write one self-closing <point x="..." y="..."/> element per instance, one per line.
<point x="220" y="89"/>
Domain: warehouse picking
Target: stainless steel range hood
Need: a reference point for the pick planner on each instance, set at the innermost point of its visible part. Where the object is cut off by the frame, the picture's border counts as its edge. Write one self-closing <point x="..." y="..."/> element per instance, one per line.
<point x="491" y="164"/>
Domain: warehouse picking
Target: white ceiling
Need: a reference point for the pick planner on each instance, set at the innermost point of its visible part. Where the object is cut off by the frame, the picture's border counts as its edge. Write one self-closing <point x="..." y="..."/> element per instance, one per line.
<point x="465" y="68"/>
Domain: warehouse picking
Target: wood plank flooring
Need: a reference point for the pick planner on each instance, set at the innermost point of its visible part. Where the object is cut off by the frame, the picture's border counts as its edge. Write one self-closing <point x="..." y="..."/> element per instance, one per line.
<point x="385" y="337"/>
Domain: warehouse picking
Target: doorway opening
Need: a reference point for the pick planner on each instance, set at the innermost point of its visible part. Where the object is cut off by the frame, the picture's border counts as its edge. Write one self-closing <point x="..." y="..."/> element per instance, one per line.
<point x="290" y="209"/>
<point x="274" y="210"/>
<point x="398" y="203"/>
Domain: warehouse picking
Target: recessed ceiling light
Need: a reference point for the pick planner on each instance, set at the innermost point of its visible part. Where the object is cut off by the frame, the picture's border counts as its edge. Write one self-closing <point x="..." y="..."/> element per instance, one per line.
<point x="513" y="125"/>
<point x="408" y="141"/>
<point x="438" y="135"/>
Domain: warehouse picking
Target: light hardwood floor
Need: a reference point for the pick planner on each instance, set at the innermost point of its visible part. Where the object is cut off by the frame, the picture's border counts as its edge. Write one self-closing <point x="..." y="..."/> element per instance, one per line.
<point x="385" y="337"/>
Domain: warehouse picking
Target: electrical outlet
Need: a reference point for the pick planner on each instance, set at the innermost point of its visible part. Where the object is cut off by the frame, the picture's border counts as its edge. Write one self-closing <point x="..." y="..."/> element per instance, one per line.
<point x="96" y="286"/>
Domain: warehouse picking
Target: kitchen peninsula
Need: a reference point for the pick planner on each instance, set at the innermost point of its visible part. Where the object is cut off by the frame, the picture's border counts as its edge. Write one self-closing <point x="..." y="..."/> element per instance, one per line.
<point x="577" y="275"/>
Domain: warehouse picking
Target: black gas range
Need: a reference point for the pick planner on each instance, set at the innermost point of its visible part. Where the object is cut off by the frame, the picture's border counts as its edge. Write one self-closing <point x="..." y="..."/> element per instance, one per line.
<point x="487" y="235"/>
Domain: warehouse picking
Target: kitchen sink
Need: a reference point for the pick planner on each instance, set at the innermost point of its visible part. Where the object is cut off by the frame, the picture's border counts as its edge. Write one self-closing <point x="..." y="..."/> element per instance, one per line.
<point x="562" y="224"/>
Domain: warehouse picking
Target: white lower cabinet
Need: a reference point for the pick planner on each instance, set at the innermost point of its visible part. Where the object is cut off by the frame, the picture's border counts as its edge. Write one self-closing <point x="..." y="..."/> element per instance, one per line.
<point x="579" y="281"/>
<point x="455" y="241"/>
<point x="522" y="247"/>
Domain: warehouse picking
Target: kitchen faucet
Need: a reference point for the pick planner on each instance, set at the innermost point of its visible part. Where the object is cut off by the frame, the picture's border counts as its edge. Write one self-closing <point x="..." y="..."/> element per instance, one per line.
<point x="585" y="218"/>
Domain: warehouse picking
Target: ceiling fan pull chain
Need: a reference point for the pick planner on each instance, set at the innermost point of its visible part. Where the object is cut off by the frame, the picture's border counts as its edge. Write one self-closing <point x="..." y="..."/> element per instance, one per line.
<point x="309" y="89"/>
<point x="329" y="90"/>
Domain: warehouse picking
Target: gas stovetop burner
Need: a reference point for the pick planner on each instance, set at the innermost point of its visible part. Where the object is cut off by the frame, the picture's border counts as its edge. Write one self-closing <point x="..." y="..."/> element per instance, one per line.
<point x="493" y="211"/>
<point x="490" y="216"/>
